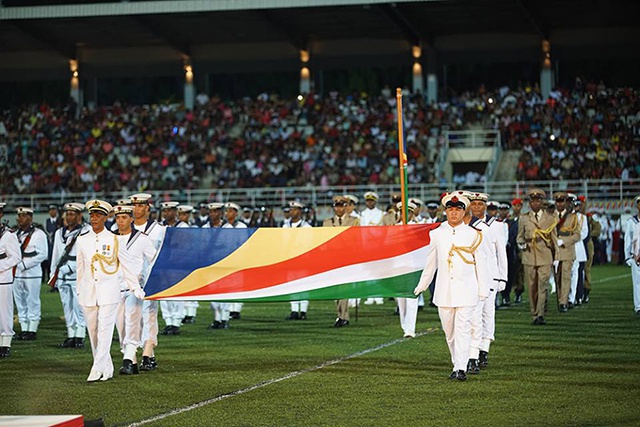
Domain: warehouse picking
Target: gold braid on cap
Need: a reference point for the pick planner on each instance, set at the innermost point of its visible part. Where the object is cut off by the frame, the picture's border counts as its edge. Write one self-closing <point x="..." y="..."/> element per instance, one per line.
<point x="461" y="250"/>
<point x="545" y="234"/>
<point x="108" y="260"/>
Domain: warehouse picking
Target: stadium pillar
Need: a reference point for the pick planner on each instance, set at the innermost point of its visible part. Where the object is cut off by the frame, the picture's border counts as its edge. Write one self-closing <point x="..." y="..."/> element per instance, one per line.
<point x="432" y="76"/>
<point x="74" y="91"/>
<point x="546" y="73"/>
<point x="418" y="78"/>
<point x="189" y="89"/>
<point x="305" y="73"/>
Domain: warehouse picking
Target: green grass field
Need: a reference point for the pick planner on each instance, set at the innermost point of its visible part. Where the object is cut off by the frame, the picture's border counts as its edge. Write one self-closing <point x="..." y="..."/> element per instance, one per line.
<point x="581" y="369"/>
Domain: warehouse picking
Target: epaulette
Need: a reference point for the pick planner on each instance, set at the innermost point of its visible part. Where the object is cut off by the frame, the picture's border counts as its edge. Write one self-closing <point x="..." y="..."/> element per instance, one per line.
<point x="474" y="222"/>
<point x="635" y="219"/>
<point x="491" y="220"/>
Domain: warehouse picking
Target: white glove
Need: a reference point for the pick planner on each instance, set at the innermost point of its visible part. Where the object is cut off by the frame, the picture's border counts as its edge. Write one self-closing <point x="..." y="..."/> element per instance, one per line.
<point x="522" y="246"/>
<point x="418" y="290"/>
<point x="560" y="242"/>
<point x="556" y="263"/>
<point x="629" y="261"/>
<point x="138" y="293"/>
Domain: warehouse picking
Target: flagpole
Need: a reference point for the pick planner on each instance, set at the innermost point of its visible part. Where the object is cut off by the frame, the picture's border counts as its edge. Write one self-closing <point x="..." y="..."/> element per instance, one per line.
<point x="402" y="156"/>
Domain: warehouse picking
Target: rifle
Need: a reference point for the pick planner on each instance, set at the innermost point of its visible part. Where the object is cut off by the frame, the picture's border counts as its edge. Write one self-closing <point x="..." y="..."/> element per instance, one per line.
<point x="23" y="247"/>
<point x="63" y="260"/>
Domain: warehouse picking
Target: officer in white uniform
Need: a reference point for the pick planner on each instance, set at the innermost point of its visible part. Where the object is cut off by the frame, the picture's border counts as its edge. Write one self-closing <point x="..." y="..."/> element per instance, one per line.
<point x="100" y="262"/>
<point x="298" y="308"/>
<point x="141" y="211"/>
<point x="483" y="323"/>
<point x="351" y="207"/>
<point x="231" y="214"/>
<point x="63" y="273"/>
<point x="220" y="309"/>
<point x="142" y="254"/>
<point x="10" y="256"/>
<point x="630" y="255"/>
<point x="26" y="287"/>
<point x="455" y="251"/>
<point x="408" y="307"/>
<point x="190" y="308"/>
<point x="577" y="272"/>
<point x="371" y="216"/>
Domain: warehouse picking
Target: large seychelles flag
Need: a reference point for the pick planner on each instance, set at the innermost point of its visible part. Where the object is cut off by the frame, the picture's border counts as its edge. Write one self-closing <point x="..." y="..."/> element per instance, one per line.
<point x="275" y="264"/>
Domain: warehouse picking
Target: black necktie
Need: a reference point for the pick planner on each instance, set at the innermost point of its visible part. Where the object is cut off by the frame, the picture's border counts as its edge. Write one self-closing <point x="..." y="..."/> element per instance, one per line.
<point x="339" y="221"/>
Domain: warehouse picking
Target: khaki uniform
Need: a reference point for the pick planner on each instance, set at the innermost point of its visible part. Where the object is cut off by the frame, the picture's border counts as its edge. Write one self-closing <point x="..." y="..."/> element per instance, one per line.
<point x="567" y="230"/>
<point x="391" y="218"/>
<point x="538" y="237"/>
<point x="345" y="221"/>
<point x="594" y="232"/>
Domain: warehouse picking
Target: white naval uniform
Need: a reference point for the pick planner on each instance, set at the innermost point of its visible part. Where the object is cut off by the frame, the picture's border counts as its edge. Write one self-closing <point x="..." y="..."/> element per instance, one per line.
<point x="460" y="285"/>
<point x="631" y="247"/>
<point x="99" y="292"/>
<point x="483" y="322"/>
<point x="220" y="309"/>
<point x="298" y="306"/>
<point x="408" y="310"/>
<point x="156" y="233"/>
<point x="174" y="311"/>
<point x="26" y="287"/>
<point x="129" y="315"/>
<point x="66" y="283"/>
<point x="581" y="254"/>
<point x="234" y="307"/>
<point x="10" y="256"/>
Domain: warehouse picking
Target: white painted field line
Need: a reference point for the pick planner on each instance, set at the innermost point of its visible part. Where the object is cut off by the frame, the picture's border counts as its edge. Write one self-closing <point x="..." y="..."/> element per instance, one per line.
<point x="608" y="279"/>
<point x="273" y="381"/>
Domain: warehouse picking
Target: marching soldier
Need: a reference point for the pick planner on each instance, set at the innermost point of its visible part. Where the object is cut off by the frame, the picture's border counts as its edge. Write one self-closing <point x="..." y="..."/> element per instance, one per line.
<point x="341" y="219"/>
<point x="63" y="274"/>
<point x="538" y="242"/>
<point x="142" y="222"/>
<point x="298" y="308"/>
<point x="631" y="255"/>
<point x="568" y="234"/>
<point x="190" y="308"/>
<point x="408" y="307"/>
<point x="202" y="216"/>
<point x="215" y="215"/>
<point x="141" y="252"/>
<point x="352" y="205"/>
<point x="371" y="216"/>
<point x="101" y="265"/>
<point x="594" y="232"/>
<point x="456" y="252"/>
<point x="28" y="273"/>
<point x="433" y="216"/>
<point x="172" y="311"/>
<point x="220" y="309"/>
<point x="53" y="222"/>
<point x="577" y="273"/>
<point x="393" y="215"/>
<point x="10" y="256"/>
<point x="231" y="214"/>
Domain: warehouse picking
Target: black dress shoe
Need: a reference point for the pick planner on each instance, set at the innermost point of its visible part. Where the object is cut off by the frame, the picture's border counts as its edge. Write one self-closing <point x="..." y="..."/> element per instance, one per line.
<point x="539" y="321"/>
<point x="585" y="297"/>
<point x="5" y="352"/>
<point x="506" y="302"/>
<point x="148" y="363"/>
<point x="215" y="325"/>
<point x="293" y="316"/>
<point x="29" y="336"/>
<point x="461" y="376"/>
<point x="483" y="359"/>
<point x="303" y="315"/>
<point x="562" y="308"/>
<point x="570" y="305"/>
<point x="79" y="342"/>
<point x="224" y="325"/>
<point x="234" y="315"/>
<point x="21" y="335"/>
<point x="175" y="330"/>
<point x="341" y="323"/>
<point x="128" y="368"/>
<point x="453" y="375"/>
<point x="518" y="299"/>
<point x="473" y="367"/>
<point x="68" y="343"/>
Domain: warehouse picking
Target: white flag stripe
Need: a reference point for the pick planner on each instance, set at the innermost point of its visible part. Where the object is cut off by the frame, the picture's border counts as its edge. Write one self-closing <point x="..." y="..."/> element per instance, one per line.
<point x="374" y="270"/>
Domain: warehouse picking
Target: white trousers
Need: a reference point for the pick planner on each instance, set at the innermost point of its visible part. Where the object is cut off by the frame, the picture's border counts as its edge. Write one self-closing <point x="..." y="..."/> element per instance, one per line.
<point x="574" y="281"/>
<point x="483" y="325"/>
<point x="456" y="323"/>
<point x="26" y="293"/>
<point x="100" y="323"/>
<point x="235" y="307"/>
<point x="408" y="309"/>
<point x="370" y="301"/>
<point x="129" y="320"/>
<point x="220" y="311"/>
<point x="191" y="308"/>
<point x="6" y="311"/>
<point x="73" y="316"/>
<point x="150" y="322"/>
<point x="635" y="279"/>
<point x="299" y="306"/>
<point x="173" y="312"/>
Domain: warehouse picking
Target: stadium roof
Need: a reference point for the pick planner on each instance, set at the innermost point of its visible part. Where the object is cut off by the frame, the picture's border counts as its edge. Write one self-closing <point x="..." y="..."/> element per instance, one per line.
<point x="40" y="36"/>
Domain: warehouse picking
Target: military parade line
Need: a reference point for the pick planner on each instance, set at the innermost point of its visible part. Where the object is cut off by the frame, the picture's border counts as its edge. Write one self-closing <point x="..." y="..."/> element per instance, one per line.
<point x="480" y="252"/>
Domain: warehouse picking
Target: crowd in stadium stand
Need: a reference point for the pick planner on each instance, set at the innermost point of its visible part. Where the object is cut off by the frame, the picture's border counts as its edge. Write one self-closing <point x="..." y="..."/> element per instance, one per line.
<point x="318" y="141"/>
